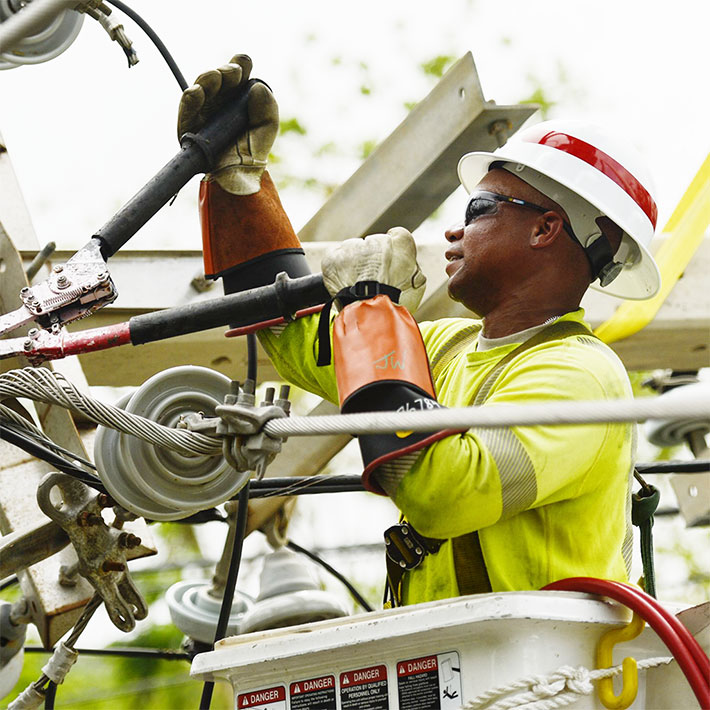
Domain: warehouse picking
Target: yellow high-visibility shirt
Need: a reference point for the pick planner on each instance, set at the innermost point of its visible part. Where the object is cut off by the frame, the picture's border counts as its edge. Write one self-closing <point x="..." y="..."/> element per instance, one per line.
<point x="548" y="502"/>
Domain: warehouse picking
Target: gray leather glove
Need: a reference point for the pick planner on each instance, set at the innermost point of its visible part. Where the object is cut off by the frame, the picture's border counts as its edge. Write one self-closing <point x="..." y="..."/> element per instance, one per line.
<point x="240" y="168"/>
<point x="388" y="258"/>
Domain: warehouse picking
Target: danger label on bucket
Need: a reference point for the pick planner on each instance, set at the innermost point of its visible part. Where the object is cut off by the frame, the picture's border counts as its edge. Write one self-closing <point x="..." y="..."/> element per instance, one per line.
<point x="364" y="689"/>
<point x="265" y="699"/>
<point x="429" y="682"/>
<point x="313" y="694"/>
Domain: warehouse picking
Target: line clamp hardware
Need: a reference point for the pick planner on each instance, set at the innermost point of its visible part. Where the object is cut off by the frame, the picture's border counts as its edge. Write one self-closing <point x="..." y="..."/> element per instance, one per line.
<point x="246" y="446"/>
<point x="102" y="550"/>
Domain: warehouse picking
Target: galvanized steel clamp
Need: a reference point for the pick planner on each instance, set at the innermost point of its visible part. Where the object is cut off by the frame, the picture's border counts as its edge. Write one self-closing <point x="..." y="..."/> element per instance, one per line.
<point x="246" y="446"/>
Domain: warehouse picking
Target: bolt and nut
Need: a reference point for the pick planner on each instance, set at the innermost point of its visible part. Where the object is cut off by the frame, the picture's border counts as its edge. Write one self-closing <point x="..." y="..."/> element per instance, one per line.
<point x="87" y="519"/>
<point x="128" y="540"/>
<point x="105" y="500"/>
<point x="112" y="566"/>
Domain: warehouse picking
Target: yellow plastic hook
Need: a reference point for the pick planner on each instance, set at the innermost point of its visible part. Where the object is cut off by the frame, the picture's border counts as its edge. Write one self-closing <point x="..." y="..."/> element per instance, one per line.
<point x="629" y="672"/>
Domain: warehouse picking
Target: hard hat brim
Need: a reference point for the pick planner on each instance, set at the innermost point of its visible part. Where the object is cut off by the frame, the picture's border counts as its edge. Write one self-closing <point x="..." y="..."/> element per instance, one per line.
<point x="638" y="282"/>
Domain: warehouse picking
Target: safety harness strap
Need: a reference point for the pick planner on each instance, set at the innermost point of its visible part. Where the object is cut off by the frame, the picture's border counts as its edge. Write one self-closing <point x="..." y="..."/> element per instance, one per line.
<point x="469" y="562"/>
<point x="470" y="565"/>
<point x="643" y="507"/>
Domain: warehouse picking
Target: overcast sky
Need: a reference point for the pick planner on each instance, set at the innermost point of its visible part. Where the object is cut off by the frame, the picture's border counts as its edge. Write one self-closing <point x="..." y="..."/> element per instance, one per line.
<point x="84" y="132"/>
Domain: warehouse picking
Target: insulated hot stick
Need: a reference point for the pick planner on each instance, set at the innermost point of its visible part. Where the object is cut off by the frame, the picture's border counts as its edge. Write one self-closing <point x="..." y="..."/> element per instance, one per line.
<point x="198" y="154"/>
<point x="276" y="302"/>
<point x="83" y="285"/>
<point x="282" y="298"/>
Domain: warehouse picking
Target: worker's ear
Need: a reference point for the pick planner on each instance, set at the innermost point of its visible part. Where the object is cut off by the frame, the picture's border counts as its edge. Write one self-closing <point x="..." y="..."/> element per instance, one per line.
<point x="546" y="230"/>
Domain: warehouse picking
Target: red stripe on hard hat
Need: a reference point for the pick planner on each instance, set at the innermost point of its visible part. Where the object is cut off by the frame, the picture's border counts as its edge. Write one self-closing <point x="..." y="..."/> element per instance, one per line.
<point x="605" y="164"/>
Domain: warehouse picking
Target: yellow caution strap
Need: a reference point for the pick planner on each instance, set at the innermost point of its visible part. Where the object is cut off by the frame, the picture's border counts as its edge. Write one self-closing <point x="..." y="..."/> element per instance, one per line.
<point x="685" y="230"/>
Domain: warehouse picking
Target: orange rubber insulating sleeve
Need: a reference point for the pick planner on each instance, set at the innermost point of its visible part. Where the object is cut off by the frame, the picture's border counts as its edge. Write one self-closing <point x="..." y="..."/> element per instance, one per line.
<point x="377" y="340"/>
<point x="238" y="228"/>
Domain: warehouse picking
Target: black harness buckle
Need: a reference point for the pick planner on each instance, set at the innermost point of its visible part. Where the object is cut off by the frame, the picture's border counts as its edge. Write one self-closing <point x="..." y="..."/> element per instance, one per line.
<point x="406" y="548"/>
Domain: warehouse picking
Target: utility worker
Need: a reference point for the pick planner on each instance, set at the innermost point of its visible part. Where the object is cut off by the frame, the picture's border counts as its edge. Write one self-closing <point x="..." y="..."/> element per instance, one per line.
<point x="559" y="207"/>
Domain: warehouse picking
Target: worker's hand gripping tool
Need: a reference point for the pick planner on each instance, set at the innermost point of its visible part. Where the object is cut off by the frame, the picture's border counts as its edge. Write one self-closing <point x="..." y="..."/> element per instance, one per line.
<point x="83" y="284"/>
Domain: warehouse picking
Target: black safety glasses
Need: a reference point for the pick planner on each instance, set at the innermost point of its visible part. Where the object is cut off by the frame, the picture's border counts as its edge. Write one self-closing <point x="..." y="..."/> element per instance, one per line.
<point x="598" y="253"/>
<point x="483" y="202"/>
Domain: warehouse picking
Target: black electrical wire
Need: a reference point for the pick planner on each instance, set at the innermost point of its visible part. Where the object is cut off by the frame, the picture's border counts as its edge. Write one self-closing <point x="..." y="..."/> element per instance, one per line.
<point x="50" y="694"/>
<point x="241" y="526"/>
<point x="154" y="38"/>
<point x="51" y="689"/>
<point x="9" y="582"/>
<point x="45" y="454"/>
<point x="306" y="485"/>
<point x="666" y="512"/>
<point x="694" y="466"/>
<point x="46" y="441"/>
<point x="311" y="555"/>
<point x="304" y="490"/>
<point x="124" y="651"/>
<point x="202" y="516"/>
<point x="251" y="357"/>
<point x="230" y="584"/>
<point x="234" y="562"/>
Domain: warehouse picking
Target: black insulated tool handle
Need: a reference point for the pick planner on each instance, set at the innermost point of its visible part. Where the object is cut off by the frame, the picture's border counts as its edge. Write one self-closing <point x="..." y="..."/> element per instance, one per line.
<point x="281" y="299"/>
<point x="198" y="154"/>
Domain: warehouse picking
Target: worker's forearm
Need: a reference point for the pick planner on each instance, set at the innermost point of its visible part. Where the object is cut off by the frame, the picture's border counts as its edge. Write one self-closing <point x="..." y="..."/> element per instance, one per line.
<point x="452" y="489"/>
<point x="468" y="482"/>
<point x="238" y="229"/>
<point x="294" y="351"/>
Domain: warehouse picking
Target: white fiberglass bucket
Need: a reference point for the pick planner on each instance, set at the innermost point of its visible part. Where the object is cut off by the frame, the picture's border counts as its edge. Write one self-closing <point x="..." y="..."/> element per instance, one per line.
<point x="441" y="655"/>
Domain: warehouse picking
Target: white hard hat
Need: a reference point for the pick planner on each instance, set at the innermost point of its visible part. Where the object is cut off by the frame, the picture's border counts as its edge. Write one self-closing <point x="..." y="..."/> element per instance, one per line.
<point x="589" y="174"/>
